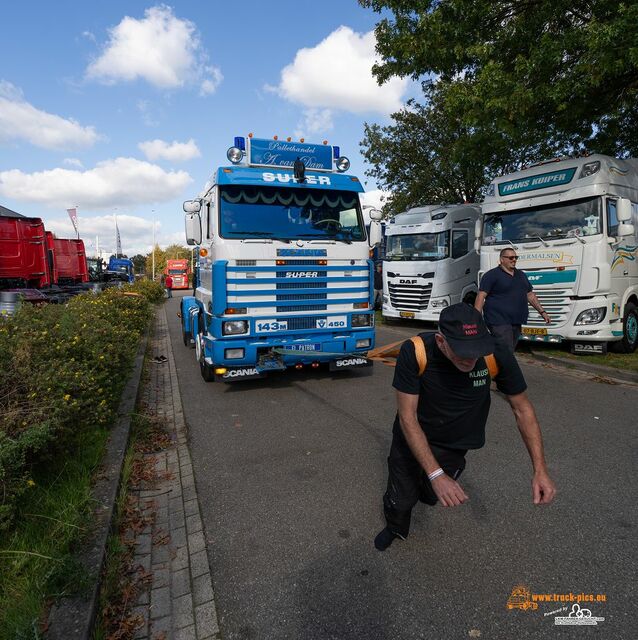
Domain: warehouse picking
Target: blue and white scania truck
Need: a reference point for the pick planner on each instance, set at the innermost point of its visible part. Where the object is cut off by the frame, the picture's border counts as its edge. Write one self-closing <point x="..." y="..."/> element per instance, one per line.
<point x="573" y="223"/>
<point x="284" y="275"/>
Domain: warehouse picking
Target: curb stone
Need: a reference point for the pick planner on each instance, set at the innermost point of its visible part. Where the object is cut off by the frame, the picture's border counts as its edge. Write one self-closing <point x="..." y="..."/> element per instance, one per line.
<point x="609" y="372"/>
<point x="74" y="617"/>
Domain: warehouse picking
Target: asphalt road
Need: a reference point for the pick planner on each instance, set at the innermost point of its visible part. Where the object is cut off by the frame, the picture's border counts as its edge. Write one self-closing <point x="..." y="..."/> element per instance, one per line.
<point x="290" y="471"/>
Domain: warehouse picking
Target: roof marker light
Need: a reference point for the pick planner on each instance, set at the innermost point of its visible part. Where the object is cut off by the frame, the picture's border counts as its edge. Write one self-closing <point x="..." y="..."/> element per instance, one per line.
<point x="275" y="137"/>
<point x="325" y="142"/>
<point x="250" y="135"/>
<point x="302" y="139"/>
<point x="288" y="139"/>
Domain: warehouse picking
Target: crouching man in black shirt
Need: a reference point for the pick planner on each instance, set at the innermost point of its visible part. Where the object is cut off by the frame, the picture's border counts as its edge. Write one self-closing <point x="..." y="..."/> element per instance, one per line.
<point x="442" y="413"/>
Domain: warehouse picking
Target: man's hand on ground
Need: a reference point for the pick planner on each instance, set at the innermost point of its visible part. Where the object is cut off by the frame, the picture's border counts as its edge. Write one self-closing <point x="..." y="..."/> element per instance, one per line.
<point x="449" y="491"/>
<point x="543" y="489"/>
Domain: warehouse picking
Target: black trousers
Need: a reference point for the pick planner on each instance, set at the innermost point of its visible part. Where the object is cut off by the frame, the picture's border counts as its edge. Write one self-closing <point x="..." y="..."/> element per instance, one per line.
<point x="508" y="334"/>
<point x="408" y="483"/>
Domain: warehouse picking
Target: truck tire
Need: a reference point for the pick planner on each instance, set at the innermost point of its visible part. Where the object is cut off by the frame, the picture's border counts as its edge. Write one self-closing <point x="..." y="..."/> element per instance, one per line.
<point x="205" y="369"/>
<point x="629" y="340"/>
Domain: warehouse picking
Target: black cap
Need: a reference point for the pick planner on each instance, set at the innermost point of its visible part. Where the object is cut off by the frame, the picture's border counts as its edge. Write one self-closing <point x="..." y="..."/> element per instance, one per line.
<point x="465" y="331"/>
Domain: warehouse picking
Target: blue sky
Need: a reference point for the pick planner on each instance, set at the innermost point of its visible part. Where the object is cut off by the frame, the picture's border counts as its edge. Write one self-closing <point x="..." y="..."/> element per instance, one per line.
<point x="126" y="108"/>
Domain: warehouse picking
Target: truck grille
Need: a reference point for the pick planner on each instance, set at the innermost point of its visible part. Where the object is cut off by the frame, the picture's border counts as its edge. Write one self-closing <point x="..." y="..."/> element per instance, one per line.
<point x="557" y="304"/>
<point x="297" y="286"/>
<point x="411" y="297"/>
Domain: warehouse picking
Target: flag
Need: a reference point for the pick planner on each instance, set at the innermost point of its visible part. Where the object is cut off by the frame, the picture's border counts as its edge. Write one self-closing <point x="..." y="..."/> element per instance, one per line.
<point x="73" y="214"/>
<point x="118" y="240"/>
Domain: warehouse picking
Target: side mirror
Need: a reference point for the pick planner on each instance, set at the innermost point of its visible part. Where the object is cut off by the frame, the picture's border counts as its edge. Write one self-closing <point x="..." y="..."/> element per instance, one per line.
<point x="623" y="212"/>
<point x="193" y="228"/>
<point x="374" y="237"/>
<point x="375" y="214"/>
<point x="478" y="228"/>
<point x="477" y="245"/>
<point x="625" y="230"/>
<point x="192" y="206"/>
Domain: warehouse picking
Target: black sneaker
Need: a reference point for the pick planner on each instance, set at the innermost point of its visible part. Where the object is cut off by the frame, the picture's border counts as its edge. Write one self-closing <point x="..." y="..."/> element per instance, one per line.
<point x="384" y="539"/>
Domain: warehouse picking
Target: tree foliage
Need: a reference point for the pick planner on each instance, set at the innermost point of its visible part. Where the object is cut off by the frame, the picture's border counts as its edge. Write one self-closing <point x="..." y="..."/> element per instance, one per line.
<point x="432" y="153"/>
<point x="172" y="252"/>
<point x="565" y="70"/>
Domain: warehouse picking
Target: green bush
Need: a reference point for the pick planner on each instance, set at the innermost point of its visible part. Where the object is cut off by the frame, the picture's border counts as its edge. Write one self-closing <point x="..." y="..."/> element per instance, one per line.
<point x="152" y="291"/>
<point x="63" y="369"/>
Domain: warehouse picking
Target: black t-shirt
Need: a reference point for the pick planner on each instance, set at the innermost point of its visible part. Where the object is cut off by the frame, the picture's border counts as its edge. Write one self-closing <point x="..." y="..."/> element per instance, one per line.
<point x="453" y="405"/>
<point x="506" y="301"/>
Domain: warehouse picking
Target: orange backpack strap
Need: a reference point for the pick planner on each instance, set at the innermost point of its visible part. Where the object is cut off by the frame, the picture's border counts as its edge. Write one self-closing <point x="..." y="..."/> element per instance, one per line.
<point x="492" y="365"/>
<point x="421" y="355"/>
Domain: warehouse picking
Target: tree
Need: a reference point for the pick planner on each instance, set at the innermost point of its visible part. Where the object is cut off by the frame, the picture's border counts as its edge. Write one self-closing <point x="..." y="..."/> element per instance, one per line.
<point x="139" y="263"/>
<point x="160" y="262"/>
<point x="432" y="154"/>
<point x="567" y="67"/>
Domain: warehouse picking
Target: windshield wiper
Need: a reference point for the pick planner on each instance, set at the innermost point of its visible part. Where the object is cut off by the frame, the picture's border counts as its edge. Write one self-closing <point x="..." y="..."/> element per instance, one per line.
<point x="312" y="236"/>
<point x="260" y="234"/>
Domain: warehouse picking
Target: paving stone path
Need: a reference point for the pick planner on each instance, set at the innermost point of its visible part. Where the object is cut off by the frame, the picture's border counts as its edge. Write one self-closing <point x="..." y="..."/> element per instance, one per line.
<point x="178" y="603"/>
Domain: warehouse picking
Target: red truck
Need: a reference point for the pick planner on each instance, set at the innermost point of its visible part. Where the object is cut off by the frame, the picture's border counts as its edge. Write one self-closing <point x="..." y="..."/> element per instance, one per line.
<point x="179" y="270"/>
<point x="31" y="258"/>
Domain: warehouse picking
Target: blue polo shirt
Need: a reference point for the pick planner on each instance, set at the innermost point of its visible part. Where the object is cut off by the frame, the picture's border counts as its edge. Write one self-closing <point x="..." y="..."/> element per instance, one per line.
<point x="506" y="301"/>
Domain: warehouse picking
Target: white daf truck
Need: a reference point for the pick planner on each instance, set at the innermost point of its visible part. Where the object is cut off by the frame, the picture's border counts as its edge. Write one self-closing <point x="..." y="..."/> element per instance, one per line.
<point x="430" y="261"/>
<point x="573" y="224"/>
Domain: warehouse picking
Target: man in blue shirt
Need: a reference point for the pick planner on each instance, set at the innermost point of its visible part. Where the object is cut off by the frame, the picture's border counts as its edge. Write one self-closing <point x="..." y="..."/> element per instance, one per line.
<point x="504" y="293"/>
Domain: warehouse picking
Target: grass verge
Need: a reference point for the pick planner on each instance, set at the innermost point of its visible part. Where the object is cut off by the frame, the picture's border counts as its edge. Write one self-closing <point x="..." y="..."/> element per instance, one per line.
<point x="624" y="361"/>
<point x="36" y="558"/>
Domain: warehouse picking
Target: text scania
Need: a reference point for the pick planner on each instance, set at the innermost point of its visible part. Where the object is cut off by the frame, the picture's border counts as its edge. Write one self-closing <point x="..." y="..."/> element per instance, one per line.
<point x="237" y="373"/>
<point x="351" y="362"/>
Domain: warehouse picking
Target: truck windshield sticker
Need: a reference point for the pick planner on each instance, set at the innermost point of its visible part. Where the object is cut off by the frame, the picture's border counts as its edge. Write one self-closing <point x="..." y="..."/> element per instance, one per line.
<point x="277" y="153"/>
<point x="541" y="181"/>
<point x="566" y="219"/>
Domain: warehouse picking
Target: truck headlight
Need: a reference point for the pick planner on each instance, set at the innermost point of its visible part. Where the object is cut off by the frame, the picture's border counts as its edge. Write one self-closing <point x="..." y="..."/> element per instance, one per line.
<point x="441" y="303"/>
<point x="233" y="354"/>
<point x="361" y="320"/>
<point x="234" y="327"/>
<point x="591" y="316"/>
<point x="589" y="169"/>
<point x="342" y="163"/>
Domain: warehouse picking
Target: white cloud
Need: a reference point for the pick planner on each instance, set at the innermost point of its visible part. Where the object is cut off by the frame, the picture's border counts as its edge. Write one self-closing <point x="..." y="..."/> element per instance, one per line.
<point x="174" y="151"/>
<point x="136" y="233"/>
<point x="160" y="48"/>
<point x="73" y="162"/>
<point x="314" y="121"/>
<point x="117" y="182"/>
<point x="337" y="74"/>
<point x="20" y="120"/>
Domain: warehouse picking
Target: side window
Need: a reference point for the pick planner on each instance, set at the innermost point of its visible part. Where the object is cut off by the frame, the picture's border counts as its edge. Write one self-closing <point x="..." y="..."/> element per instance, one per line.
<point x="460" y="241"/>
<point x="612" y="218"/>
<point x="210" y="208"/>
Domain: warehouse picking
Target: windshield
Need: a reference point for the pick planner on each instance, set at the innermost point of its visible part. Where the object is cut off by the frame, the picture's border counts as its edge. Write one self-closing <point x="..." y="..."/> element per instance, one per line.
<point x="177" y="272"/>
<point x="287" y="214"/>
<point x="418" y="246"/>
<point x="556" y="220"/>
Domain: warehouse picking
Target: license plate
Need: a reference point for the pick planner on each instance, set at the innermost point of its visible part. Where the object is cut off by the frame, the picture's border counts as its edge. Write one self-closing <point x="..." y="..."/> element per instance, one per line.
<point x="407" y="314"/>
<point x="534" y="331"/>
<point x="303" y="347"/>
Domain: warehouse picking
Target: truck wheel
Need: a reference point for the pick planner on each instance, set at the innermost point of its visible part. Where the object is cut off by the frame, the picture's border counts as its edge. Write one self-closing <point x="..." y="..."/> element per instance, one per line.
<point x="629" y="340"/>
<point x="204" y="368"/>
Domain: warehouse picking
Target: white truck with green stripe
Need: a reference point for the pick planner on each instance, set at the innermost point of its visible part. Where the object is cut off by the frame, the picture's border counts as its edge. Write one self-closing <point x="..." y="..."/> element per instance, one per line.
<point x="573" y="223"/>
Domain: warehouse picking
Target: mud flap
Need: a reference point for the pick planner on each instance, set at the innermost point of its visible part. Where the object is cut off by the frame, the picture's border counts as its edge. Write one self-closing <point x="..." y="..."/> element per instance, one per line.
<point x="350" y="362"/>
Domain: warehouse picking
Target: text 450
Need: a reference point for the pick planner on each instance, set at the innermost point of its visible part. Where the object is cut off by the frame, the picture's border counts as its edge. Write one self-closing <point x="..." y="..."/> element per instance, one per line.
<point x="268" y="326"/>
